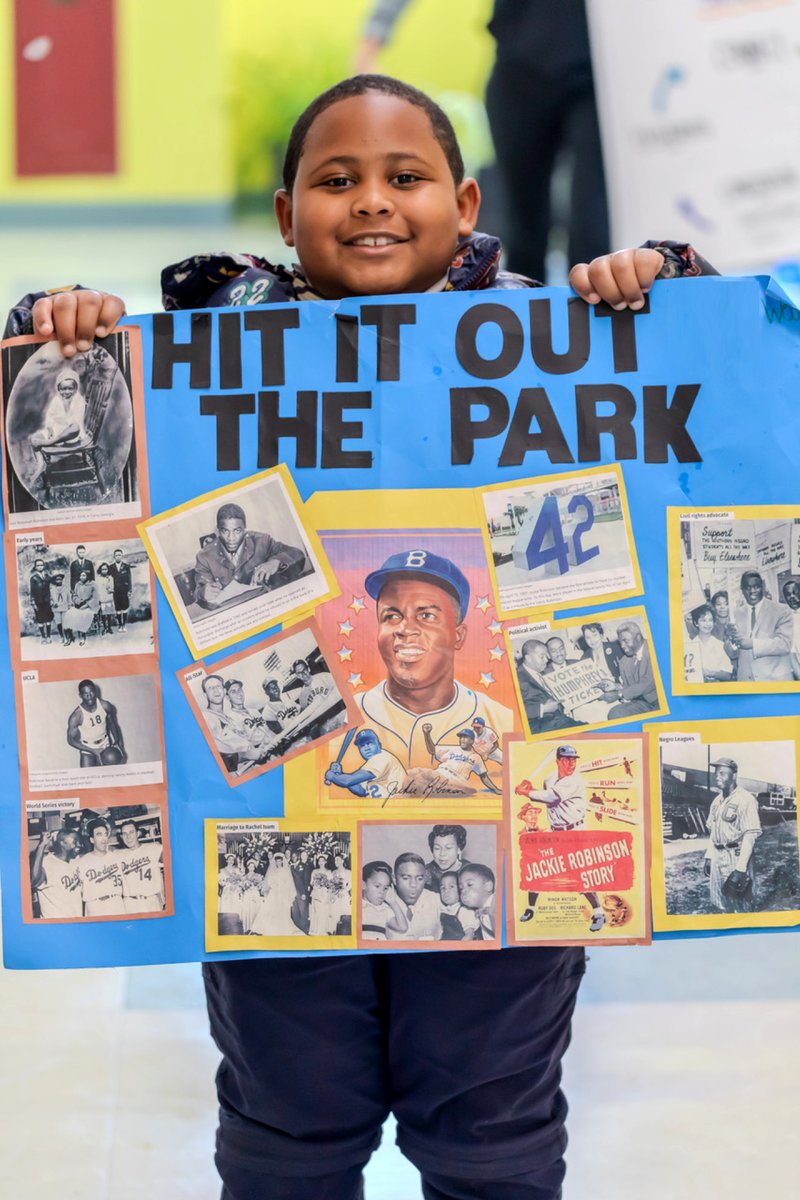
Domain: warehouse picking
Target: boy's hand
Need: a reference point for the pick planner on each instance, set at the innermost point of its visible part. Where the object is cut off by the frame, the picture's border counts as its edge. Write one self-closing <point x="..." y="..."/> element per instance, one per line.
<point x="75" y="318"/>
<point x="621" y="279"/>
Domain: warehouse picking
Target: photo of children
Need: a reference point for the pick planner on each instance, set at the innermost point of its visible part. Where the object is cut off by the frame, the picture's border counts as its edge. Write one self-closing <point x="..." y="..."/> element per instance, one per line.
<point x="96" y="863"/>
<point x="91" y="599"/>
<point x="237" y="559"/>
<point x="70" y="436"/>
<point x="263" y="705"/>
<point x="282" y="885"/>
<point x="424" y="882"/>
<point x="98" y="732"/>
<point x="736" y="619"/>
<point x="595" y="672"/>
<point x="576" y="822"/>
<point x="727" y="823"/>
<point x="560" y="540"/>
<point x="416" y="629"/>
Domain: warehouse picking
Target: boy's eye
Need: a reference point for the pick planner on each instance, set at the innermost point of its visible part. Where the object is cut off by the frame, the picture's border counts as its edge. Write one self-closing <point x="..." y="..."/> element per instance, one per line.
<point x="406" y="177"/>
<point x="336" y="181"/>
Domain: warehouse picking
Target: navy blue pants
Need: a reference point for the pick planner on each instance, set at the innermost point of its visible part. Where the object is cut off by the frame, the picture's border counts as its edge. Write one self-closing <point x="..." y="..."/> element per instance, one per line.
<point x="463" y="1047"/>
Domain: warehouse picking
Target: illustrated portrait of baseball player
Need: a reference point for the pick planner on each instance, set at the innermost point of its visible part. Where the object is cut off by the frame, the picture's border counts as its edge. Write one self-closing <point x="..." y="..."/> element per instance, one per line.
<point x="734" y="600"/>
<point x="95" y="863"/>
<point x="427" y="730"/>
<point x="70" y="436"/>
<point x="576" y="821"/>
<point x="274" y="700"/>
<point x="237" y="559"/>
<point x="728" y="822"/>
<point x="93" y="732"/>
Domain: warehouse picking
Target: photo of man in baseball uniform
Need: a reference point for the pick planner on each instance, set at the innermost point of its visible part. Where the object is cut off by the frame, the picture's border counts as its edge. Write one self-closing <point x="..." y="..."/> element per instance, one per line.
<point x="142" y="871"/>
<point x="734" y="825"/>
<point x="564" y="795"/>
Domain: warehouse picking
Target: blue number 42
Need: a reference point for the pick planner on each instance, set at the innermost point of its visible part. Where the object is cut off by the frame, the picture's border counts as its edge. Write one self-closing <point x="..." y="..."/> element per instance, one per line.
<point x="547" y="543"/>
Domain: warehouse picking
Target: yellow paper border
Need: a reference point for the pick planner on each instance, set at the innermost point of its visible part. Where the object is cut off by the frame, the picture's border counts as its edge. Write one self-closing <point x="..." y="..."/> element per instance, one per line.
<point x="742" y="729"/>
<point x="303" y="519"/>
<point x="746" y="512"/>
<point x="638" y="615"/>
<point x="589" y="601"/>
<point x="215" y="942"/>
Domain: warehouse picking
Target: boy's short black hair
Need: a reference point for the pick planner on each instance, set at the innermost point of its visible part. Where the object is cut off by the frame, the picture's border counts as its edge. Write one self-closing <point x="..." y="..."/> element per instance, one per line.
<point x="358" y="85"/>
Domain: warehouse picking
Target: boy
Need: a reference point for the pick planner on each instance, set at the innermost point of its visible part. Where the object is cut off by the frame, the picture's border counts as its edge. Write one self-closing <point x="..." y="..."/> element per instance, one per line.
<point x="375" y="202"/>
<point x="380" y="907"/>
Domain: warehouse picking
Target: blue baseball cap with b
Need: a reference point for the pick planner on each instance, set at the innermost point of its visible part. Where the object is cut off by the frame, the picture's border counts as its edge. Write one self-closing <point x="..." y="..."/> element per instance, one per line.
<point x="421" y="562"/>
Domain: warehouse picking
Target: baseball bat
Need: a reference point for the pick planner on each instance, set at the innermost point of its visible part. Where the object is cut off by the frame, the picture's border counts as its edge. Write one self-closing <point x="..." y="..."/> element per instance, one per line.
<point x="348" y="737"/>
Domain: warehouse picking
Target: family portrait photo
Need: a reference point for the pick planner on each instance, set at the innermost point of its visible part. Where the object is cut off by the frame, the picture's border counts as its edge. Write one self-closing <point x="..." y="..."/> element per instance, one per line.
<point x="429" y="882"/>
<point x="91" y="599"/>
<point x="70" y="432"/>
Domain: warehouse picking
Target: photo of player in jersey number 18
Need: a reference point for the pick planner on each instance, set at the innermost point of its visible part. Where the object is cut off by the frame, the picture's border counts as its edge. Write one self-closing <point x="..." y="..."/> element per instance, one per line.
<point x="425" y="733"/>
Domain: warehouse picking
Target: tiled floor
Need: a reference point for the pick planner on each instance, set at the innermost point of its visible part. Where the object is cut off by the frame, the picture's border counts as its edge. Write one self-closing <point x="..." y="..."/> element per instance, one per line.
<point x="682" y="1075"/>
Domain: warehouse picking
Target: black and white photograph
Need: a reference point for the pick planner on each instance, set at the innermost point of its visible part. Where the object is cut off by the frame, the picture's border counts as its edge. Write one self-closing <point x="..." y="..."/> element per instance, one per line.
<point x="83" y="600"/>
<point x="92" y="732"/>
<point x="739" y="623"/>
<point x="599" y="670"/>
<point x="90" y="864"/>
<point x="70" y="436"/>
<point x="277" y="699"/>
<point x="559" y="540"/>
<point x="283" y="885"/>
<point x="238" y="561"/>
<point x="425" y="881"/>
<point x="729" y="823"/>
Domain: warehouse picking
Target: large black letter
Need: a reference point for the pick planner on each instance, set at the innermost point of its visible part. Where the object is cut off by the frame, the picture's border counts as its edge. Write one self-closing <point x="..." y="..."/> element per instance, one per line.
<point x="196" y="352"/>
<point x="388" y="318"/>
<point x="302" y="427"/>
<point x="227" y="410"/>
<point x="618" y="423"/>
<point x="272" y="324"/>
<point x="577" y="351"/>
<point x="463" y="430"/>
<point x="467" y="341"/>
<point x="230" y="350"/>
<point x="335" y="430"/>
<point x="665" y="424"/>
<point x="346" y="348"/>
<point x="534" y="402"/>
<point x="623" y="333"/>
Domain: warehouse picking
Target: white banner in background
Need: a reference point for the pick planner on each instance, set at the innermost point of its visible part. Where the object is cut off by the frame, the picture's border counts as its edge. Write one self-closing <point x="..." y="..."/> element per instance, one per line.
<point x="699" y="105"/>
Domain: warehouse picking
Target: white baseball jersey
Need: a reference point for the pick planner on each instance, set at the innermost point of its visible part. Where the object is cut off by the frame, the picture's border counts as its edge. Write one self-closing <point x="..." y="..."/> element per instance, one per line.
<point x="565" y="799"/>
<point x="101" y="883"/>
<point x="317" y="688"/>
<point x="94" y="727"/>
<point x="142" y="878"/>
<point x="400" y="731"/>
<point x="458" y="764"/>
<point x="390" y="776"/>
<point x="60" y="894"/>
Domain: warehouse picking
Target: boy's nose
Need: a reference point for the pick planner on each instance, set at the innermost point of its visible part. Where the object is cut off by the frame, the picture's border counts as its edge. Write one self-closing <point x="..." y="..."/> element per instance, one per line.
<point x="372" y="200"/>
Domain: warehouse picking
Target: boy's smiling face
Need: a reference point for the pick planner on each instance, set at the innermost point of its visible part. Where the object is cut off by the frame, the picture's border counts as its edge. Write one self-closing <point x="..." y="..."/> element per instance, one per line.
<point x="375" y="209"/>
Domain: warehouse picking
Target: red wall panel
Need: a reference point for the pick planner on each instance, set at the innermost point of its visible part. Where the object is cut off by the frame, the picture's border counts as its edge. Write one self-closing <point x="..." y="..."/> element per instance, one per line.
<point x="65" y="79"/>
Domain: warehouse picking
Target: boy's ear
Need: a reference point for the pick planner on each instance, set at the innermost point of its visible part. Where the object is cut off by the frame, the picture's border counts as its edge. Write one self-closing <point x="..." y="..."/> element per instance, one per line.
<point x="468" y="196"/>
<point x="283" y="213"/>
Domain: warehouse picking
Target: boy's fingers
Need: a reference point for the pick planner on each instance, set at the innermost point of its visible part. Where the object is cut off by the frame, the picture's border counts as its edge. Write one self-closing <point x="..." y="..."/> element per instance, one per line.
<point x="88" y="310"/>
<point x="42" y="314"/>
<point x="65" y="308"/>
<point x="579" y="282"/>
<point x="113" y="308"/>
<point x="625" y="290"/>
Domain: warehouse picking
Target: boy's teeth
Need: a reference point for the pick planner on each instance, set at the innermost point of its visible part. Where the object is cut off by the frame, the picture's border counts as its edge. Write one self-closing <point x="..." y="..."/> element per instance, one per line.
<point x="374" y="241"/>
